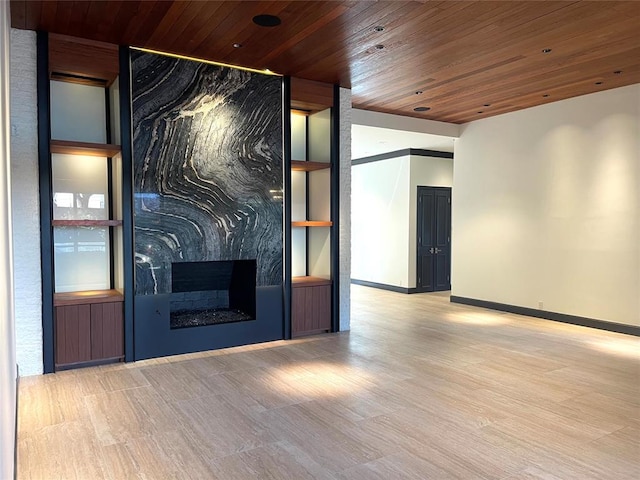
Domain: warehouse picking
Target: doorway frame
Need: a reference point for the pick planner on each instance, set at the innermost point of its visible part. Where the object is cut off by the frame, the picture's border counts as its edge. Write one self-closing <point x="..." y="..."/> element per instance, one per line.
<point x="418" y="288"/>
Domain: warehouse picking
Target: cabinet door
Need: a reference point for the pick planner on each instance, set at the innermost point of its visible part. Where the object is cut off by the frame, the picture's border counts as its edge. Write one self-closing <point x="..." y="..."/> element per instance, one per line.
<point x="73" y="334"/>
<point x="322" y="307"/>
<point x="311" y="309"/>
<point x="107" y="334"/>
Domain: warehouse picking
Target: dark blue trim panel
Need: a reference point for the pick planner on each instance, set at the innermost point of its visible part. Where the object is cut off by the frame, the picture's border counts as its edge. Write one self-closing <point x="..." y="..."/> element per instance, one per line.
<point x="335" y="210"/>
<point x="286" y="132"/>
<point x="155" y="338"/>
<point x="46" y="230"/>
<point x="127" y="200"/>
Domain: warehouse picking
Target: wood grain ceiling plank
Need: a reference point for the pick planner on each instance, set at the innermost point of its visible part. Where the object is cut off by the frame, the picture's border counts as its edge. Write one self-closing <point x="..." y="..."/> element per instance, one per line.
<point x="357" y="36"/>
<point x="48" y="13"/>
<point x="568" y="91"/>
<point x="541" y="81"/>
<point x="186" y="24"/>
<point x="461" y="54"/>
<point x="557" y="86"/>
<point x="431" y="94"/>
<point x="33" y="12"/>
<point x="259" y="42"/>
<point x="214" y="17"/>
<point x="126" y="13"/>
<point x="232" y="28"/>
<point x="309" y="50"/>
<point x="18" y="11"/>
<point x="451" y="51"/>
<point x="367" y="64"/>
<point x="543" y="69"/>
<point x="305" y="29"/>
<point x="469" y="67"/>
<point x="62" y="19"/>
<point x="77" y="21"/>
<point x="149" y="14"/>
<point x="164" y="29"/>
<point x="99" y="19"/>
<point x="207" y="39"/>
<point x="539" y="10"/>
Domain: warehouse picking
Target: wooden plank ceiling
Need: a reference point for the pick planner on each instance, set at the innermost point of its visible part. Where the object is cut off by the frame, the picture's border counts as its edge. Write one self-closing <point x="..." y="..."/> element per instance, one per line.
<point x="469" y="59"/>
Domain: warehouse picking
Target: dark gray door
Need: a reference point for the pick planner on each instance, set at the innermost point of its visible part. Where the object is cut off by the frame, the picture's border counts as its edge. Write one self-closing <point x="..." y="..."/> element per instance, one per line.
<point x="434" y="239"/>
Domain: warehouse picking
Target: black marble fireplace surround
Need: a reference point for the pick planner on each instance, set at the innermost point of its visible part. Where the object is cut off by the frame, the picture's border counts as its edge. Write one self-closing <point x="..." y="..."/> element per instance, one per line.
<point x="208" y="180"/>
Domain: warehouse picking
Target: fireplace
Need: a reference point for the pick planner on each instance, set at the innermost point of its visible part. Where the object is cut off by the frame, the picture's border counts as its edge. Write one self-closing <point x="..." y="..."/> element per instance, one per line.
<point x="207" y="155"/>
<point x="209" y="293"/>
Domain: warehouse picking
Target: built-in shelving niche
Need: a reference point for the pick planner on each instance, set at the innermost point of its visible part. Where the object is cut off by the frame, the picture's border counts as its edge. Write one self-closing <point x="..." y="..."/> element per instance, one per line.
<point x="311" y="222"/>
<point x="85" y="165"/>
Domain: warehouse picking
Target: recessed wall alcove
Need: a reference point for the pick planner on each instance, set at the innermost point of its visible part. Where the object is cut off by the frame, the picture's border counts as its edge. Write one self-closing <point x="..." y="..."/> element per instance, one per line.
<point x="208" y="205"/>
<point x="211" y="293"/>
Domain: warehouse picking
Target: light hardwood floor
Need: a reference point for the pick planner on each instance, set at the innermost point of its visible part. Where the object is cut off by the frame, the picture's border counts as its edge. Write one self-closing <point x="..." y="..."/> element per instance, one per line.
<point x="419" y="389"/>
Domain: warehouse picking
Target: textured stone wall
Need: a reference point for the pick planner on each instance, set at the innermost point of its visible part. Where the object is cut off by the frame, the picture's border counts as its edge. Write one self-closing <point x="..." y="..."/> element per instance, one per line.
<point x="345" y="209"/>
<point x="7" y="332"/>
<point x="25" y="202"/>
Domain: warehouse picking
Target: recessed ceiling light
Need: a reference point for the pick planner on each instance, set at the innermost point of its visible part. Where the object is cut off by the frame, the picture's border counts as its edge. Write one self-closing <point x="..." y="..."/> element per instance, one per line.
<point x="379" y="47"/>
<point x="419" y="92"/>
<point x="598" y="83"/>
<point x="378" y="28"/>
<point x="237" y="45"/>
<point x="546" y="50"/>
<point x="267" y="20"/>
<point x="617" y="72"/>
<point x="422" y="109"/>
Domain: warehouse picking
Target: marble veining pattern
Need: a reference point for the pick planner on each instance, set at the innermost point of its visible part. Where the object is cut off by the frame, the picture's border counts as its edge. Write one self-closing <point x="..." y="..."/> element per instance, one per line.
<point x="208" y="168"/>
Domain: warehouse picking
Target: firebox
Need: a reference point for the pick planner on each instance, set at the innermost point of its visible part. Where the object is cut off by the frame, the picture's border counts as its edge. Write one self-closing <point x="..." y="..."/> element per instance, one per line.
<point x="214" y="292"/>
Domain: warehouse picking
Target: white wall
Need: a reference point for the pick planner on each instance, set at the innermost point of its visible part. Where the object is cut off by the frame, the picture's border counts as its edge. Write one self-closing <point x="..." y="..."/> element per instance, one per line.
<point x="424" y="172"/>
<point x="380" y="221"/>
<point x="384" y="215"/>
<point x="7" y="333"/>
<point x="25" y="200"/>
<point x="546" y="207"/>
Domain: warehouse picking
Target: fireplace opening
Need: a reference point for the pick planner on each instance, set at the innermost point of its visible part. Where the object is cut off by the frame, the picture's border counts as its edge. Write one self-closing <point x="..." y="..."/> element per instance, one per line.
<point x="208" y="293"/>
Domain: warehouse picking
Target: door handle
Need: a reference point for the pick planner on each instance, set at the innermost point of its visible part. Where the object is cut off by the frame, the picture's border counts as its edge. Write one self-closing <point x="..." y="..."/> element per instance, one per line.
<point x="431" y="250"/>
<point x="438" y="250"/>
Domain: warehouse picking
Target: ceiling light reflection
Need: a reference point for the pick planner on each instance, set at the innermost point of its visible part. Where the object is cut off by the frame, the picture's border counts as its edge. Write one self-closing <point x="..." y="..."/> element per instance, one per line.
<point x="321" y="379"/>
<point x="624" y="347"/>
<point x="479" y="318"/>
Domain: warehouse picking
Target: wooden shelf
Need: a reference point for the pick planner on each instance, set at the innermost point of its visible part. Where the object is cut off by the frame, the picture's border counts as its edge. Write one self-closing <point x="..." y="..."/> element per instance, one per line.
<point x="87" y="297"/>
<point x="309" y="281"/>
<point x="86" y="223"/>
<point x="310" y="223"/>
<point x="84" y="148"/>
<point x="303" y="166"/>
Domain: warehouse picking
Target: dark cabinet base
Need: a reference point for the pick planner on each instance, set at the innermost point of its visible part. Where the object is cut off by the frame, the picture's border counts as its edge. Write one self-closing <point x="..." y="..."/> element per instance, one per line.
<point x="88" y="333"/>
<point x="310" y="306"/>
